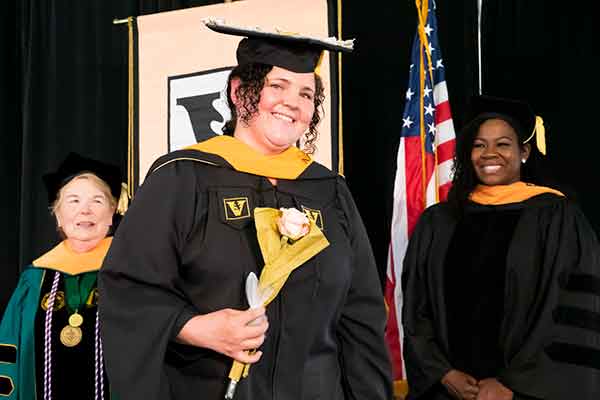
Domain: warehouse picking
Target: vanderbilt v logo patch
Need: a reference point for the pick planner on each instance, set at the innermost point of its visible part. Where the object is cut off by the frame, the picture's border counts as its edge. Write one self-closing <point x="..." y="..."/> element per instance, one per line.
<point x="236" y="208"/>
<point x="314" y="215"/>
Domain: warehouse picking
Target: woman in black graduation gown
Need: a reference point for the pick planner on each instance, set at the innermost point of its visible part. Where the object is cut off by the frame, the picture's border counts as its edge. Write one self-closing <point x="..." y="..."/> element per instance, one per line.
<point x="50" y="345"/>
<point x="500" y="282"/>
<point x="176" y="312"/>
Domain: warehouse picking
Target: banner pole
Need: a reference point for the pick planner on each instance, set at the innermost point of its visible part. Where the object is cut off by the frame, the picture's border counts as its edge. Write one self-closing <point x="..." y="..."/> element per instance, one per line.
<point x="340" y="117"/>
<point x="130" y="102"/>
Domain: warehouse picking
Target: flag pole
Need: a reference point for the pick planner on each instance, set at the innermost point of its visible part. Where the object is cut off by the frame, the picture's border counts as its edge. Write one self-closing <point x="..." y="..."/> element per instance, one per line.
<point x="479" y="57"/>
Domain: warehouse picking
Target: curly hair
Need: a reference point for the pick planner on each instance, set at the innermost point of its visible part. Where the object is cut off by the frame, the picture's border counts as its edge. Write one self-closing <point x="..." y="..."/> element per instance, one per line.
<point x="465" y="178"/>
<point x="252" y="80"/>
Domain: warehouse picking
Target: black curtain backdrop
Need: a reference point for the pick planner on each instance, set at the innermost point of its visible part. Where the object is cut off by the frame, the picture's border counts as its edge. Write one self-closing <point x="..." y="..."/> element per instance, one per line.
<point x="545" y="54"/>
<point x="10" y="150"/>
<point x="64" y="88"/>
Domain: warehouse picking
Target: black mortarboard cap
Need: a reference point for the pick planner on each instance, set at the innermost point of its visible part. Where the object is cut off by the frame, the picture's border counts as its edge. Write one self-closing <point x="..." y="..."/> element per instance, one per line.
<point x="291" y="51"/>
<point x="519" y="114"/>
<point x="75" y="164"/>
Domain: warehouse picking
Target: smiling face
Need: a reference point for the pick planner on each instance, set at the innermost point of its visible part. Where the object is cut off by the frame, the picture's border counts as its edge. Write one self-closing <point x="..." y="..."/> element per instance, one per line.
<point x="84" y="210"/>
<point x="284" y="113"/>
<point x="497" y="154"/>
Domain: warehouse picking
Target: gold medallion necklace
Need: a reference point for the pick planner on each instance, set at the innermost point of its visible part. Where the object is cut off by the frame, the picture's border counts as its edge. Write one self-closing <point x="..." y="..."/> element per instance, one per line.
<point x="77" y="289"/>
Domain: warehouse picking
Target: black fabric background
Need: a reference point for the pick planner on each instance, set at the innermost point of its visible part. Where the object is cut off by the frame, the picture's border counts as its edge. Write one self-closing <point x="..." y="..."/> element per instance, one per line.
<point x="63" y="87"/>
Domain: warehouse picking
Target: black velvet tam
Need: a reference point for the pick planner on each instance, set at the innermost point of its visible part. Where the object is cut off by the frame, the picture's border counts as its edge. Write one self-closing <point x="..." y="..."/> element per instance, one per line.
<point x="291" y="51"/>
<point x="518" y="114"/>
<point x="75" y="164"/>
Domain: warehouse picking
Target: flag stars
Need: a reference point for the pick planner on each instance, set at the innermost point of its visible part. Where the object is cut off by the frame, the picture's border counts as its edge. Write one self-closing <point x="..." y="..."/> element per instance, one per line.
<point x="439" y="64"/>
<point x="406" y="122"/>
<point x="428" y="30"/>
<point x="431" y="48"/>
<point x="409" y="94"/>
<point x="426" y="91"/>
<point x="429" y="110"/>
<point x="432" y="129"/>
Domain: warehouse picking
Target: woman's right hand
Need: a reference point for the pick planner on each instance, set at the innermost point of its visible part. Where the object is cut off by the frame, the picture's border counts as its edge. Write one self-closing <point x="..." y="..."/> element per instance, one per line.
<point x="460" y="385"/>
<point x="230" y="332"/>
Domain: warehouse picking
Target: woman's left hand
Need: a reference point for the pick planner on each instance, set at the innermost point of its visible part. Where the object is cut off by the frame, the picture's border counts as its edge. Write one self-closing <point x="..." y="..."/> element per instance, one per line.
<point x="492" y="389"/>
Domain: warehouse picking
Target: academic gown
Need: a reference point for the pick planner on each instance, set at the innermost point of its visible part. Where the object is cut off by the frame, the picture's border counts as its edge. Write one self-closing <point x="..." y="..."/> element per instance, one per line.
<point x="186" y="246"/>
<point x="543" y="259"/>
<point x="22" y="331"/>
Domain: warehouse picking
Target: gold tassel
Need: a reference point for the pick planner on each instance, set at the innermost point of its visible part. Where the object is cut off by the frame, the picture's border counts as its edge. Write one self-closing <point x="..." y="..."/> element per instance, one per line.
<point x="540" y="135"/>
<point x="318" y="66"/>
<point x="539" y="131"/>
<point x="123" y="202"/>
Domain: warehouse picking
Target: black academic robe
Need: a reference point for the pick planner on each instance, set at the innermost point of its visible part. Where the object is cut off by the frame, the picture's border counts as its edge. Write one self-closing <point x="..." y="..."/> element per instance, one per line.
<point x="548" y="340"/>
<point x="186" y="246"/>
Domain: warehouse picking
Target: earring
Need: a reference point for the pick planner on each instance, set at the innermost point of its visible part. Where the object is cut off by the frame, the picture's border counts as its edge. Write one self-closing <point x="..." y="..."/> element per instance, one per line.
<point x="523" y="160"/>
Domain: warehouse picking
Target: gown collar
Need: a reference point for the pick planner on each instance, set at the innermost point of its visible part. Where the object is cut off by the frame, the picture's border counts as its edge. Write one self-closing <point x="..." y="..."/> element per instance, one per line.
<point x="63" y="259"/>
<point x="505" y="194"/>
<point x="286" y="165"/>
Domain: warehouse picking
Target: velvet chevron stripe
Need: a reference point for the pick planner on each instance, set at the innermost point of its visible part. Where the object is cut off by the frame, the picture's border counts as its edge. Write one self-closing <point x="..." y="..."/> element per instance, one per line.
<point x="8" y="353"/>
<point x="574" y="354"/>
<point x="577" y="317"/>
<point x="584" y="283"/>
<point x="6" y="386"/>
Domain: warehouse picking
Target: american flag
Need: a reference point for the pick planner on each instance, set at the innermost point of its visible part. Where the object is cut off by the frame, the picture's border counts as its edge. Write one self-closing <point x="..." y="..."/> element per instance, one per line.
<point x="424" y="166"/>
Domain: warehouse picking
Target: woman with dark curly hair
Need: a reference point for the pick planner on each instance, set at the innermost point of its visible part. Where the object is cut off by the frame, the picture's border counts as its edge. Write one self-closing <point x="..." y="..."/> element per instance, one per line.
<point x="184" y="311"/>
<point x="500" y="282"/>
<point x="252" y="80"/>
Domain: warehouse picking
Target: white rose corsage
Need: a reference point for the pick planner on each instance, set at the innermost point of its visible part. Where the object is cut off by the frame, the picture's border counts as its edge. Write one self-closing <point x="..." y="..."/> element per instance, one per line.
<point x="293" y="223"/>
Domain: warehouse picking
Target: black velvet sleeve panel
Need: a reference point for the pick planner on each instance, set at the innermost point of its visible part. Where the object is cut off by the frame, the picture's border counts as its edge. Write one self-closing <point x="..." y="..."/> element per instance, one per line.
<point x="575" y="343"/>
<point x="8" y="353"/>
